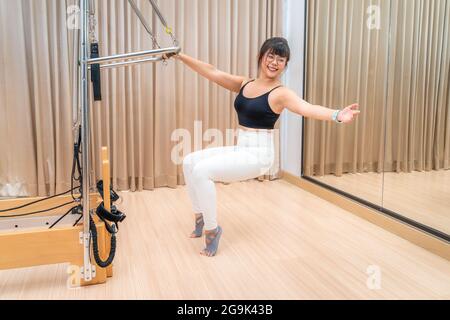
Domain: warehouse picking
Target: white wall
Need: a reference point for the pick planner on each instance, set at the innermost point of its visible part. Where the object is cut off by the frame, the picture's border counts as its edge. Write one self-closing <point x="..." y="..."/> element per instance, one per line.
<point x="291" y="124"/>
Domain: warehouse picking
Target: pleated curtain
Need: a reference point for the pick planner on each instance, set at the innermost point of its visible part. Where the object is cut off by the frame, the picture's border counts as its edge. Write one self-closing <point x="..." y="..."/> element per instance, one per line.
<point x="142" y="106"/>
<point x="35" y="98"/>
<point x="418" y="104"/>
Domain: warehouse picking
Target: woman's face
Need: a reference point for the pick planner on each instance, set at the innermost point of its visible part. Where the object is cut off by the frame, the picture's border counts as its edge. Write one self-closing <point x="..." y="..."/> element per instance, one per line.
<point x="273" y="65"/>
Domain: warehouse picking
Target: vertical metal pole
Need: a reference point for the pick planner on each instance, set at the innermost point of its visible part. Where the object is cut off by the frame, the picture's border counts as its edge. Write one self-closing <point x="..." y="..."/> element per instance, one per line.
<point x="84" y="87"/>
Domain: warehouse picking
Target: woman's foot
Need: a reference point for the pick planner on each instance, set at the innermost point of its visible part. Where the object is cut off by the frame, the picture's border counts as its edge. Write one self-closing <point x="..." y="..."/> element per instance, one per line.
<point x="212" y="239"/>
<point x="199" y="223"/>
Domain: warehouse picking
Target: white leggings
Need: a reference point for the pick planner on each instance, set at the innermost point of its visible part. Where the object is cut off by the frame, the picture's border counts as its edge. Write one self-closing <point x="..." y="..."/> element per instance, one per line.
<point x="253" y="156"/>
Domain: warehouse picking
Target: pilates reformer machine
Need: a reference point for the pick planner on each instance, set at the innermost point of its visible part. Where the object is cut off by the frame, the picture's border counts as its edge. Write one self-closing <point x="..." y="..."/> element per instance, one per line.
<point x="26" y="243"/>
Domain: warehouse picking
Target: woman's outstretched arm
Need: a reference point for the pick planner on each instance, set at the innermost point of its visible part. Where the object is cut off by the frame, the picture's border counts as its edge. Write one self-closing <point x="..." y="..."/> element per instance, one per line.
<point x="290" y="100"/>
<point x="223" y="79"/>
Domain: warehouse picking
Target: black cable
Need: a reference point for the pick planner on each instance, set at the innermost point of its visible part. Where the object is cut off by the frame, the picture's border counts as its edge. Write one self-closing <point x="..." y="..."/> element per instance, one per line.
<point x="112" y="252"/>
<point x="36" y="212"/>
<point x="76" y="166"/>
<point x="37" y="201"/>
<point x="76" y="222"/>
<point x="62" y="217"/>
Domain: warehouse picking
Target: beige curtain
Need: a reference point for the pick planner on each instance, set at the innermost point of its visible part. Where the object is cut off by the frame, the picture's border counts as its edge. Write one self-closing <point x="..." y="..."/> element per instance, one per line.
<point x="141" y="107"/>
<point x="346" y="63"/>
<point x="418" y="108"/>
<point x="400" y="76"/>
<point x="35" y="97"/>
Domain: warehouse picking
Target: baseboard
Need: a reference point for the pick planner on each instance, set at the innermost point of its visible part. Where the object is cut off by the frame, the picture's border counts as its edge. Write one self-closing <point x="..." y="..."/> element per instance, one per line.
<point x="418" y="237"/>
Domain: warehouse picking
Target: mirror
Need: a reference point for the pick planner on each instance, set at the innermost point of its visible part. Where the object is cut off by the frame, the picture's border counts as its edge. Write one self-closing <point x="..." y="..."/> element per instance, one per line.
<point x="347" y="62"/>
<point x="417" y="151"/>
<point x="393" y="58"/>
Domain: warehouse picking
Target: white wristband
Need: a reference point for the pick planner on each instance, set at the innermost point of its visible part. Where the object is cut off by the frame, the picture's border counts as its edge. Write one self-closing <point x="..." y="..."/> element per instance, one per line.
<point x="335" y="116"/>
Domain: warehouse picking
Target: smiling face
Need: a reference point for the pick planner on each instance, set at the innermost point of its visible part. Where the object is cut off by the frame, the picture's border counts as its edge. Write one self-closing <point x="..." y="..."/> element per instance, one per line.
<point x="272" y="65"/>
<point x="273" y="58"/>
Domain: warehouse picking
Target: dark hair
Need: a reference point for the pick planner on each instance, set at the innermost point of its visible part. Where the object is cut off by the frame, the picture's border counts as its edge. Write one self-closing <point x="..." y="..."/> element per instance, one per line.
<point x="276" y="45"/>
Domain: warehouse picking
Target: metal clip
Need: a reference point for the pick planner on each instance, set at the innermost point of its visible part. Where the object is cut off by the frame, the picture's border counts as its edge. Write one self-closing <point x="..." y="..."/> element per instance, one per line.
<point x="93" y="273"/>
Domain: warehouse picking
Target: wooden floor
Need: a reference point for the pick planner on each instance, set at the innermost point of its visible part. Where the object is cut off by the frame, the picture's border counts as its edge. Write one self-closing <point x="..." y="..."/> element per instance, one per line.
<point x="420" y="196"/>
<point x="279" y="242"/>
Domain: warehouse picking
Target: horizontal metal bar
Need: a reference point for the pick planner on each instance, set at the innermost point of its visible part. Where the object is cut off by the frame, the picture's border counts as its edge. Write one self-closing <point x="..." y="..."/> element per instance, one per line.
<point x="140" y="54"/>
<point x="129" y="63"/>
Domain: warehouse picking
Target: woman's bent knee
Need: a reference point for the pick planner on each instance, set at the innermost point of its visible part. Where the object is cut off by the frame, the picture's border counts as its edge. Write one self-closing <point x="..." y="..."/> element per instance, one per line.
<point x="188" y="163"/>
<point x="200" y="173"/>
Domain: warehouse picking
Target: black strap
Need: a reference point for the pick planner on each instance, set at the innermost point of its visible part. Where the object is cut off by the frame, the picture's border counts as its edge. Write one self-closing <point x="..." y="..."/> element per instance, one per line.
<point x="95" y="73"/>
<point x="113" y="216"/>
<point x="113" y="195"/>
<point x="274" y="89"/>
<point x="242" y="89"/>
<point x="254" y="80"/>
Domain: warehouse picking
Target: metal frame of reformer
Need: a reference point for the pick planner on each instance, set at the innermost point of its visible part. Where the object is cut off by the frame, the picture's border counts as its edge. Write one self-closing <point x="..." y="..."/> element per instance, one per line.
<point x="41" y="247"/>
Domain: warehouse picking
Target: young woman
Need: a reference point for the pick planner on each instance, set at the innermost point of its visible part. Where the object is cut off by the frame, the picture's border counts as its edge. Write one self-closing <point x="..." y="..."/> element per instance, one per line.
<point x="258" y="105"/>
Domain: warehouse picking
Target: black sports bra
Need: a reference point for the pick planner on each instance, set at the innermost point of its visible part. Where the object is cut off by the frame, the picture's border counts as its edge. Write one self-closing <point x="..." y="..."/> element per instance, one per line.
<point x="255" y="113"/>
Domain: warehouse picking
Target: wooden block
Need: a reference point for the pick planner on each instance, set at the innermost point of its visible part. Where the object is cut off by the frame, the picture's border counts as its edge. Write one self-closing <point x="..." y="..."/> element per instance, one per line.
<point x="43" y="247"/>
<point x="107" y="200"/>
